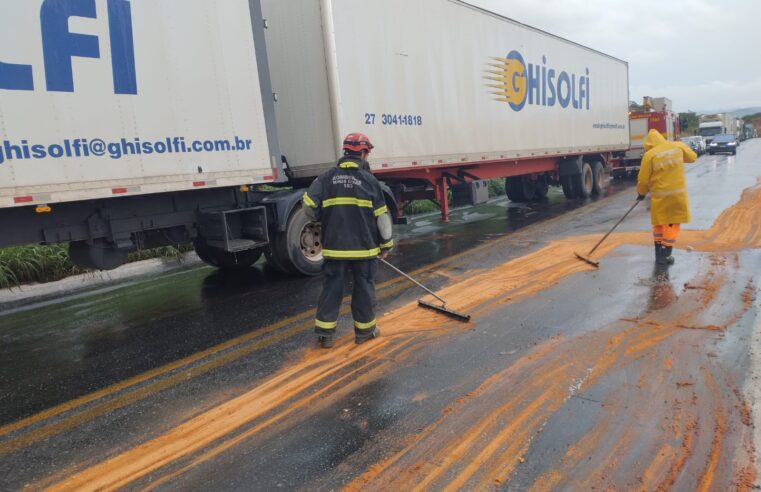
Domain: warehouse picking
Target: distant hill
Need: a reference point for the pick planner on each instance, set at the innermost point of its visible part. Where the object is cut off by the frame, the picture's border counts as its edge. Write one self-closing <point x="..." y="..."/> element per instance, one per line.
<point x="737" y="113"/>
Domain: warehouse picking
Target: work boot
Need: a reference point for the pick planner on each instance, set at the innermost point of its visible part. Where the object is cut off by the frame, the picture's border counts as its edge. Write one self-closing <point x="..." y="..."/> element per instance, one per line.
<point x="325" y="341"/>
<point x="657" y="253"/>
<point x="667" y="255"/>
<point x="359" y="340"/>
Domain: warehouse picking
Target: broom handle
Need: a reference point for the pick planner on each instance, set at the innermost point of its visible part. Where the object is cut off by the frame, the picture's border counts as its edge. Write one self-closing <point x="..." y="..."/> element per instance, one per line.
<point x="614" y="227"/>
<point x="413" y="280"/>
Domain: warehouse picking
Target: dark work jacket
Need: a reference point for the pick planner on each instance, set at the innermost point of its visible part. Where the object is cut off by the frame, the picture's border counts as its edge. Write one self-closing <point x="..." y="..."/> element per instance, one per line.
<point x="347" y="200"/>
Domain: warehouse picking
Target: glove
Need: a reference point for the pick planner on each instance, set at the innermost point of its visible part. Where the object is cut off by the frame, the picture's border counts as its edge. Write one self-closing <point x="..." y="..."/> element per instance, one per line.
<point x="383" y="254"/>
<point x="640" y="197"/>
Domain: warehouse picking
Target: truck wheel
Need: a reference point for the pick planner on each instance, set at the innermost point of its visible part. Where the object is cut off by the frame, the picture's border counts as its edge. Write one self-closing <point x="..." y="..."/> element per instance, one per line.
<point x="276" y="254"/>
<point x="299" y="248"/>
<point x="598" y="173"/>
<point x="584" y="183"/>
<point x="224" y="260"/>
<point x="519" y="189"/>
<point x="568" y="189"/>
<point x="541" y="187"/>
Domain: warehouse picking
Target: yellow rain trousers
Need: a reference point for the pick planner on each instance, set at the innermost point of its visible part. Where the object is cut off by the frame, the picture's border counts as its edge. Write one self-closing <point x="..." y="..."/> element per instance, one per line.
<point x="662" y="175"/>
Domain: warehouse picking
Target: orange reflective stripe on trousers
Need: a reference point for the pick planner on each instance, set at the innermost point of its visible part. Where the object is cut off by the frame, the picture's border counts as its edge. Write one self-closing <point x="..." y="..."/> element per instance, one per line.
<point x="666" y="234"/>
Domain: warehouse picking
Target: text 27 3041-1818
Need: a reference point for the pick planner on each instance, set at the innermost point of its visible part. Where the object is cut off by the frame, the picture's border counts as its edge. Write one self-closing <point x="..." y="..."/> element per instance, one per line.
<point x="394" y="119"/>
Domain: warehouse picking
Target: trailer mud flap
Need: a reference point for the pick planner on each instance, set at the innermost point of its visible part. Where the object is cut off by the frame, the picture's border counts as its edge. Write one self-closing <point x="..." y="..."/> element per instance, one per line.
<point x="570" y="166"/>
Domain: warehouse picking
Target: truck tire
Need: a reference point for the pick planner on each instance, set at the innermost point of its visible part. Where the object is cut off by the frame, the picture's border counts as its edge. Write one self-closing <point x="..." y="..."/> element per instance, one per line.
<point x="519" y="189"/>
<point x="224" y="260"/>
<point x="598" y="173"/>
<point x="568" y="189"/>
<point x="299" y="248"/>
<point x="276" y="254"/>
<point x="583" y="183"/>
<point x="541" y="187"/>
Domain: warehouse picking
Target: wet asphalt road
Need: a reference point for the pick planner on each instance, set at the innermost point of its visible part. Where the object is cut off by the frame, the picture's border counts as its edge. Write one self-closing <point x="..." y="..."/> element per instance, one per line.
<point x="198" y="380"/>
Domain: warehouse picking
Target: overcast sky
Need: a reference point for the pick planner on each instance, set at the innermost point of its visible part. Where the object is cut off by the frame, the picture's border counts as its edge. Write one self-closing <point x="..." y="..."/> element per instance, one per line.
<point x="702" y="54"/>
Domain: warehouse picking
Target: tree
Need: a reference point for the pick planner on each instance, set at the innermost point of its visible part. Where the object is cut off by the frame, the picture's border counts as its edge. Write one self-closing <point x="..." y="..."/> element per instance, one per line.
<point x="689" y="122"/>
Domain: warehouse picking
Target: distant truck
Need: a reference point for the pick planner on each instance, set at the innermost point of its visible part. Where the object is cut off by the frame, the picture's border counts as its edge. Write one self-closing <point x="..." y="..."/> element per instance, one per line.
<point x="716" y="124"/>
<point x="657" y="115"/>
<point x="137" y="124"/>
<point x="740" y="129"/>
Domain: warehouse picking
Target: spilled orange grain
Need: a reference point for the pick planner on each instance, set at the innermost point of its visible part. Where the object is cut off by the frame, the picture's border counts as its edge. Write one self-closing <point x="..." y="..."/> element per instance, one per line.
<point x="736" y="228"/>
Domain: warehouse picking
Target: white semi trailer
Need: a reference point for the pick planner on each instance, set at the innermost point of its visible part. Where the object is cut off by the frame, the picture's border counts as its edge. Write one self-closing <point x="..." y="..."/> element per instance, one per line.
<point x="448" y="93"/>
<point x="140" y="123"/>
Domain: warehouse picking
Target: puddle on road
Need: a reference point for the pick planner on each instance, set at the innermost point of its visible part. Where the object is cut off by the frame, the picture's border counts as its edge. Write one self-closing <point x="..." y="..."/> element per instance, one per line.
<point x="477" y="443"/>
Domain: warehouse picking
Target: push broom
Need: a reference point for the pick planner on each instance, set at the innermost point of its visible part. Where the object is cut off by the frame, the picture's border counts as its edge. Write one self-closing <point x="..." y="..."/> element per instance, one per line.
<point x="441" y="309"/>
<point x="587" y="258"/>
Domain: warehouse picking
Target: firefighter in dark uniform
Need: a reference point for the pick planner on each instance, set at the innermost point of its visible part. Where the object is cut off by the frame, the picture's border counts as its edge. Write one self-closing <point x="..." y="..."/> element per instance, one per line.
<point x="356" y="230"/>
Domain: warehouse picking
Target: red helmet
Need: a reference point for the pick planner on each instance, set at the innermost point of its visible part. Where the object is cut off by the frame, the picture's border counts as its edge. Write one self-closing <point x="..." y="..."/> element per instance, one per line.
<point x="357" y="142"/>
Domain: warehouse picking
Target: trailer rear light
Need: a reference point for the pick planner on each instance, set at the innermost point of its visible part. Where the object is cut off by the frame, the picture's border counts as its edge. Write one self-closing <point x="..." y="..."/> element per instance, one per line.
<point x="43" y="209"/>
<point x="198" y="184"/>
<point x="118" y="191"/>
<point x="269" y="178"/>
<point x="23" y="199"/>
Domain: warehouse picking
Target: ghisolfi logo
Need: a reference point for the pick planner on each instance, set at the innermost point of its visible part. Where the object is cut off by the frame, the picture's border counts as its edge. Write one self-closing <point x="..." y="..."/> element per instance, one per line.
<point x="518" y="84"/>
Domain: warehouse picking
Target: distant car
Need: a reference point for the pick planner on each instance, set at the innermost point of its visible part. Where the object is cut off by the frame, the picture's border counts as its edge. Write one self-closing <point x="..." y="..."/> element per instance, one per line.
<point x="697" y="144"/>
<point x="726" y="142"/>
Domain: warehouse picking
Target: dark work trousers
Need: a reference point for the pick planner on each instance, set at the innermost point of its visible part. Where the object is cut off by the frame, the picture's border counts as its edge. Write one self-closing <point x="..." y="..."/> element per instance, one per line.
<point x="362" y="296"/>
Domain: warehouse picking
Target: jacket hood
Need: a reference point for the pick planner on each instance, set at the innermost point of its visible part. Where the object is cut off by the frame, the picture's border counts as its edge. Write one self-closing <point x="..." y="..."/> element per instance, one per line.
<point x="654" y="138"/>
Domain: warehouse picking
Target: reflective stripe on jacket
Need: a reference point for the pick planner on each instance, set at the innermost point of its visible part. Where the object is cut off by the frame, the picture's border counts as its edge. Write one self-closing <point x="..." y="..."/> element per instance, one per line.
<point x="347" y="200"/>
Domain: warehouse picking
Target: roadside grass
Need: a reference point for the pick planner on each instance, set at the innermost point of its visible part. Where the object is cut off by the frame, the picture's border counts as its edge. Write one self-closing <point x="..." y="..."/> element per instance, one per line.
<point x="48" y="263"/>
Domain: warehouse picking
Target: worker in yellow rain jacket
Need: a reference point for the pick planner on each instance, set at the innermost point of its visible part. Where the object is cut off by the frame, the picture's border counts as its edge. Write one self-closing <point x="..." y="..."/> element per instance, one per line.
<point x="662" y="175"/>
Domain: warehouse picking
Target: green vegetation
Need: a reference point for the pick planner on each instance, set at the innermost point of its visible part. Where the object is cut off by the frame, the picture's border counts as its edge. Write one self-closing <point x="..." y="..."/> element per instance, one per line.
<point x="689" y="122"/>
<point x="496" y="187"/>
<point x="416" y="207"/>
<point x="27" y="264"/>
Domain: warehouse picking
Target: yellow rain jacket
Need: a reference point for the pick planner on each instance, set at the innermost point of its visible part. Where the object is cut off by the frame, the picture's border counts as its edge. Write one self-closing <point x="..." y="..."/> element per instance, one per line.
<point x="662" y="175"/>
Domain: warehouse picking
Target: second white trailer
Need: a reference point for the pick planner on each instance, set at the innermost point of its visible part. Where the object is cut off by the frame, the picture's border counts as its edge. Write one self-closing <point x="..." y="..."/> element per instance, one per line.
<point x="436" y="83"/>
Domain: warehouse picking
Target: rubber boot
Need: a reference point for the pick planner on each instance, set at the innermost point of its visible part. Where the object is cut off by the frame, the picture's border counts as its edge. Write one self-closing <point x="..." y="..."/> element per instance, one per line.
<point x="667" y="255"/>
<point x="373" y="334"/>
<point x="660" y="254"/>
<point x="325" y="341"/>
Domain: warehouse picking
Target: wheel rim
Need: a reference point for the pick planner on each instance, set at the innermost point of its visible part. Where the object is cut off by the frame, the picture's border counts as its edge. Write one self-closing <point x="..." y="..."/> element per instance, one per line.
<point x="588" y="182"/>
<point x="311" y="242"/>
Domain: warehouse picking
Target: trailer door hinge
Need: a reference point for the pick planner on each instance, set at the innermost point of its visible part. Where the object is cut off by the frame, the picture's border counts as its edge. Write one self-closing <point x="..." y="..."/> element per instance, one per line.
<point x="266" y="23"/>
